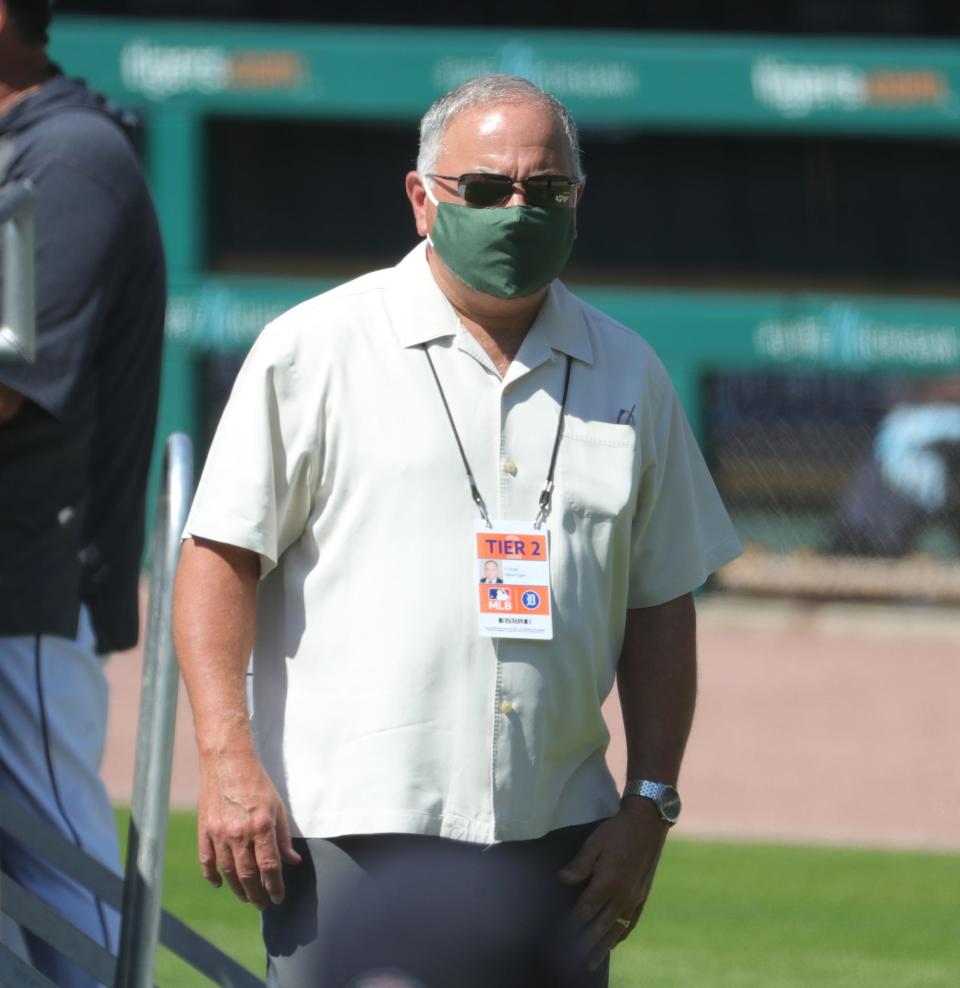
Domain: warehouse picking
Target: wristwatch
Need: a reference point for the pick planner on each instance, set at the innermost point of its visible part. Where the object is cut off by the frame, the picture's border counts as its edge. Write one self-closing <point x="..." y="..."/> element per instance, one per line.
<point x="664" y="796"/>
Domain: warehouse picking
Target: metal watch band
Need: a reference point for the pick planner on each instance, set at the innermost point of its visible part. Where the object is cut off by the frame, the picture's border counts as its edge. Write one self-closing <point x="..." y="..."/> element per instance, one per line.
<point x="663" y="795"/>
<point x="644" y="787"/>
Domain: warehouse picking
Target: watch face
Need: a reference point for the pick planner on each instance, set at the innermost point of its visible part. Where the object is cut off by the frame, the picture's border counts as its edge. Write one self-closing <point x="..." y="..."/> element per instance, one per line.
<point x="669" y="803"/>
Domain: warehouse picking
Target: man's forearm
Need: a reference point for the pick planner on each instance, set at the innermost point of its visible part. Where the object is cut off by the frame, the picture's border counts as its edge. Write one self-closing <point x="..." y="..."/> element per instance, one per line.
<point x="214" y="621"/>
<point x="657" y="682"/>
<point x="243" y="835"/>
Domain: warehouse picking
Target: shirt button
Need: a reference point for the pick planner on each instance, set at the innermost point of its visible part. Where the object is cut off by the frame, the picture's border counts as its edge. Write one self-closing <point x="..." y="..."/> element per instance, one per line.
<point x="506" y="707"/>
<point x="510" y="467"/>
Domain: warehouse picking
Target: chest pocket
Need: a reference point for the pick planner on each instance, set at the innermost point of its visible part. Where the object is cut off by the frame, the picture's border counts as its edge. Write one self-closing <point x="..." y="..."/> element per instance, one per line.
<point x="597" y="468"/>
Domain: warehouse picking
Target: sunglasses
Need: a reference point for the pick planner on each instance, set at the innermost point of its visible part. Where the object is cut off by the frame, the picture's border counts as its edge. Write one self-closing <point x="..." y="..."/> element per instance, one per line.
<point x="485" y="190"/>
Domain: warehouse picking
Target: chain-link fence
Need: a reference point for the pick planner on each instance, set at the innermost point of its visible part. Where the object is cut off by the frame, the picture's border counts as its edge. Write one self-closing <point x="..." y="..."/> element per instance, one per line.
<point x="840" y="485"/>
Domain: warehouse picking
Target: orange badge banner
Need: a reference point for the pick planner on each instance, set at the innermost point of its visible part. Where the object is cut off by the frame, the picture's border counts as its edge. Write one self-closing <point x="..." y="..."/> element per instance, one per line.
<point x="508" y="545"/>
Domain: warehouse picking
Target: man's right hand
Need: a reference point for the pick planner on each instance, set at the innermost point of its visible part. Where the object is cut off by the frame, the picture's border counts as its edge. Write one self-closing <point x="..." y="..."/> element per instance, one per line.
<point x="242" y="830"/>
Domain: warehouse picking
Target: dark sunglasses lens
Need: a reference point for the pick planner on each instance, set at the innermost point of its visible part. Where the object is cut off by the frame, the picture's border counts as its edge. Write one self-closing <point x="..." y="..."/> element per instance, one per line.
<point x="549" y="192"/>
<point x="485" y="190"/>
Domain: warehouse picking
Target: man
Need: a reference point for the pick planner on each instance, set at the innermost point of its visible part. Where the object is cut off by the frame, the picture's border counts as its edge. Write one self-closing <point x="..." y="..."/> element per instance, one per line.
<point x="491" y="572"/>
<point x="460" y="407"/>
<point x="76" y="431"/>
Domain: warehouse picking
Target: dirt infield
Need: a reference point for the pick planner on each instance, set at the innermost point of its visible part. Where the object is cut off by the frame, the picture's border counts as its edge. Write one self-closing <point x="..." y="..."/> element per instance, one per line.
<point x="816" y="723"/>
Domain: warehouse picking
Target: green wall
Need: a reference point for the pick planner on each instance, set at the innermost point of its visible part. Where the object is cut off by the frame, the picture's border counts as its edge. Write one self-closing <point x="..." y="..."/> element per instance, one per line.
<point x="175" y="75"/>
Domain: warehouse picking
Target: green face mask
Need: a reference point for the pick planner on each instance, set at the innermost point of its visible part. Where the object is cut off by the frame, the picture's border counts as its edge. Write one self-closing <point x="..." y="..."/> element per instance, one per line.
<point x="507" y="251"/>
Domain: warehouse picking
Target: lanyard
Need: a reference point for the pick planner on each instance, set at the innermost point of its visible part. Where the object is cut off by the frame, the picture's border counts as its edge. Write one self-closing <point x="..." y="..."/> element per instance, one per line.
<point x="546" y="494"/>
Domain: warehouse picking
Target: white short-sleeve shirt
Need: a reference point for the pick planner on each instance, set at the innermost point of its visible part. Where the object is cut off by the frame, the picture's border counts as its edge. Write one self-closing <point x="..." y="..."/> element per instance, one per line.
<point x="378" y="706"/>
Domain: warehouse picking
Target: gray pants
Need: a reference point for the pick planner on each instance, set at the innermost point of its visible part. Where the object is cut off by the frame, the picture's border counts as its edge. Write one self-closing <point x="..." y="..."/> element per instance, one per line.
<point x="406" y="911"/>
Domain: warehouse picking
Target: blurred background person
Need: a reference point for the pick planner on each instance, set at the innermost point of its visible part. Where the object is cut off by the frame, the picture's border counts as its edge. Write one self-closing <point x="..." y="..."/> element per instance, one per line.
<point x="76" y="433"/>
<point x="910" y="478"/>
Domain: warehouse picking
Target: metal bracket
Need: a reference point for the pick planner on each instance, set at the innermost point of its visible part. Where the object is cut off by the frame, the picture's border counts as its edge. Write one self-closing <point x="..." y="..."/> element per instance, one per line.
<point x="18" y="306"/>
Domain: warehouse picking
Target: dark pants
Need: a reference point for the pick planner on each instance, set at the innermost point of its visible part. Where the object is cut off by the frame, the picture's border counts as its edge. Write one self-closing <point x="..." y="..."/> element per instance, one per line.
<point x="405" y="911"/>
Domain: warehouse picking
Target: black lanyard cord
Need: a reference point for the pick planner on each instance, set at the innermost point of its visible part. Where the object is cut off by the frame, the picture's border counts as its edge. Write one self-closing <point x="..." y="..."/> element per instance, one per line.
<point x="546" y="495"/>
<point x="474" y="490"/>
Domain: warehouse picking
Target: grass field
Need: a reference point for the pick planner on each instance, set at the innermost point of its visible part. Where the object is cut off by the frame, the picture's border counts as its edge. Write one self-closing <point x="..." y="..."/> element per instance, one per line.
<point x="721" y="916"/>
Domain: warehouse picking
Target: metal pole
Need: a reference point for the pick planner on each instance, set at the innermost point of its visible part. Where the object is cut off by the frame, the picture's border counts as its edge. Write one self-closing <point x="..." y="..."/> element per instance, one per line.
<point x="18" y="305"/>
<point x="143" y="884"/>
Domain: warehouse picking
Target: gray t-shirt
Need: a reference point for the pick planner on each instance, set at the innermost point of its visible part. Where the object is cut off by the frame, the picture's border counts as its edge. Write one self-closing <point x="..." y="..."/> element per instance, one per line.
<point x="74" y="461"/>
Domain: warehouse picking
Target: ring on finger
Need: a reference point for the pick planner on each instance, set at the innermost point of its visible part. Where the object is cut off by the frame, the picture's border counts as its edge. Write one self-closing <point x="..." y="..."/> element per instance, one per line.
<point x="624" y="922"/>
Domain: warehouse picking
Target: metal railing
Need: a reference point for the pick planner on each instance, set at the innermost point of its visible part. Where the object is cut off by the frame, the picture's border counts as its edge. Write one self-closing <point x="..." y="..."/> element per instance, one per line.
<point x="138" y="895"/>
<point x="18" y="304"/>
<point x="149" y="810"/>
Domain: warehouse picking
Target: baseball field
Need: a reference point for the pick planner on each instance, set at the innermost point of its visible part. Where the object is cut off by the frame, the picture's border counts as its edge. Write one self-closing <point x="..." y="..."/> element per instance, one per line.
<point x="820" y="844"/>
<point x="722" y="915"/>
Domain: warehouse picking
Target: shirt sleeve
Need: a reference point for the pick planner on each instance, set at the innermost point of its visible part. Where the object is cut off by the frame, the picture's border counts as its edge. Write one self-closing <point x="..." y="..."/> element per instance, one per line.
<point x="681" y="531"/>
<point x="76" y="224"/>
<point x="256" y="489"/>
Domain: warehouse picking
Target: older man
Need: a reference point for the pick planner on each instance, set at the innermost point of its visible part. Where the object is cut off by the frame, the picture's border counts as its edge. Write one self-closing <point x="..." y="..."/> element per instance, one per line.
<point x="459" y="408"/>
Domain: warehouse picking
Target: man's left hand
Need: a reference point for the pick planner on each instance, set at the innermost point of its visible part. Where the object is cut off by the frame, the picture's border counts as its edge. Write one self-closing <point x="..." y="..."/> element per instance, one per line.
<point x="617" y="861"/>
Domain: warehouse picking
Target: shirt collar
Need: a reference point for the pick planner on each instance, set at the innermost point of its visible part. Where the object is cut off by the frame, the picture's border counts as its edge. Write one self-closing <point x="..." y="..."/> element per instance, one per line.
<point x="561" y="325"/>
<point x="422" y="312"/>
<point x="425" y="314"/>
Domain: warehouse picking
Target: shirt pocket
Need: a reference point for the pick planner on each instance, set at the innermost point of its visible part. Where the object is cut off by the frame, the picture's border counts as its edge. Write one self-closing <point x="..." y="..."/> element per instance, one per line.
<point x="597" y="468"/>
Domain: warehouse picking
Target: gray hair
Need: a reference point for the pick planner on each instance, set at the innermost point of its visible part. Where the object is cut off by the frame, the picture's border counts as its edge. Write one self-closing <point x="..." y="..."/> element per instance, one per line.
<point x="490" y="90"/>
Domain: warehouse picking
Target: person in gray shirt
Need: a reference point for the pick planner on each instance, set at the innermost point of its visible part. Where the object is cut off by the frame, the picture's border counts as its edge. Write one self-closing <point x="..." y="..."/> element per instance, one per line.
<point x="76" y="434"/>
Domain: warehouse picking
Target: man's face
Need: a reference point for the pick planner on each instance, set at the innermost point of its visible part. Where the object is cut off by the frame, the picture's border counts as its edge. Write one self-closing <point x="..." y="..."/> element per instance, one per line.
<point x="490" y="571"/>
<point x="514" y="139"/>
<point x="12" y="44"/>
